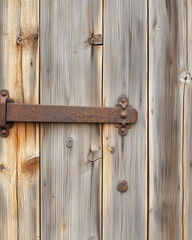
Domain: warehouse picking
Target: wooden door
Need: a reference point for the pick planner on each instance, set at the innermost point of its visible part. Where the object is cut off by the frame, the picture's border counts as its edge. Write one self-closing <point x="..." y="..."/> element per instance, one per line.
<point x="59" y="181"/>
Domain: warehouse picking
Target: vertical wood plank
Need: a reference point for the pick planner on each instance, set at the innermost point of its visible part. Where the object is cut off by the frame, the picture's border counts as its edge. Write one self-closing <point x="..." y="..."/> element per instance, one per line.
<point x="167" y="59"/>
<point x="19" y="153"/>
<point x="71" y="74"/>
<point x="8" y="156"/>
<point x="187" y="139"/>
<point x="125" y="158"/>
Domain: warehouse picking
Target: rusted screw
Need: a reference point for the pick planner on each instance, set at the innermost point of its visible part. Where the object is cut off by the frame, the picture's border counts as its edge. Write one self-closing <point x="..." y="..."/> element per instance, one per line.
<point x="3" y="93"/>
<point x="19" y="40"/>
<point x="69" y="142"/>
<point x="123" y="114"/>
<point x="122" y="186"/>
<point x="123" y="130"/>
<point x="4" y="132"/>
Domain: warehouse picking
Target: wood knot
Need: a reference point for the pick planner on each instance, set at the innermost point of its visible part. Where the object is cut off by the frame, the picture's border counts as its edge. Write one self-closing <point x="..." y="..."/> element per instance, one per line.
<point x="30" y="166"/>
<point x="185" y="77"/>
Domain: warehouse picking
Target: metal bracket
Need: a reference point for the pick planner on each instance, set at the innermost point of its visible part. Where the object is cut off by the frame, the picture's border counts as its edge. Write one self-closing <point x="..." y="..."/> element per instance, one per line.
<point x="4" y="125"/>
<point x="123" y="114"/>
<point x="123" y="104"/>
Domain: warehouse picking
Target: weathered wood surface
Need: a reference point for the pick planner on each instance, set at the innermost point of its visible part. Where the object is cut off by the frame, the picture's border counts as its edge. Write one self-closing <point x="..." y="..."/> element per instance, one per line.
<point x="187" y="138"/>
<point x="125" y="158"/>
<point x="79" y="199"/>
<point x="167" y="59"/>
<point x="71" y="74"/>
<point x="19" y="153"/>
<point x="187" y="158"/>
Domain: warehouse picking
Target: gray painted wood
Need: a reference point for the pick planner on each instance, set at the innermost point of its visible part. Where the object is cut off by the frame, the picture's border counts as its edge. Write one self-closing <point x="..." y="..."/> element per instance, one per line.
<point x="167" y="59"/>
<point x="19" y="153"/>
<point x="71" y="74"/>
<point x="125" y="158"/>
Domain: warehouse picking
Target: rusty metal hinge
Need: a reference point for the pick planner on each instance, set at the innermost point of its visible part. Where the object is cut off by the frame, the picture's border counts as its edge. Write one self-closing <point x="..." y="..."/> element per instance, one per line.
<point x="123" y="114"/>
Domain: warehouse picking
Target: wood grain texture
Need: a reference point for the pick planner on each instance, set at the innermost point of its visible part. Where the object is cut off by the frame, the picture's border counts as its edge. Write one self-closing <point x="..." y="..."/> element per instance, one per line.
<point x="71" y="74"/>
<point x="187" y="138"/>
<point x="19" y="153"/>
<point x="167" y="59"/>
<point x="125" y="158"/>
<point x="187" y="164"/>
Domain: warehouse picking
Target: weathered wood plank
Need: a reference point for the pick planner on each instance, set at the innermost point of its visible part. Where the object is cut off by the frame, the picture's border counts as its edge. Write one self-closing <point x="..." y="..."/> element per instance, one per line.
<point x="187" y="138"/>
<point x="125" y="158"/>
<point x="19" y="186"/>
<point x="71" y="74"/>
<point x="167" y="58"/>
<point x="187" y="163"/>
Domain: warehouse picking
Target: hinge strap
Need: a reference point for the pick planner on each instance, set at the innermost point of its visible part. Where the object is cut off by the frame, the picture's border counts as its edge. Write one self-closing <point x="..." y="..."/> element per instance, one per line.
<point x="10" y="112"/>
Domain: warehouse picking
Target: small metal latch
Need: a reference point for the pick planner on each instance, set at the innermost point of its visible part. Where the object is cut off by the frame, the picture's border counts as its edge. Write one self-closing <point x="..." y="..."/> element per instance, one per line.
<point x="123" y="114"/>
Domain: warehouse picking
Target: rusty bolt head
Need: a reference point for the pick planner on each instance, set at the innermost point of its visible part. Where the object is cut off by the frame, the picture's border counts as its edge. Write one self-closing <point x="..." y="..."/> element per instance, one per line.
<point x="4" y="132"/>
<point x="123" y="129"/>
<point x="69" y="142"/>
<point x="122" y="186"/>
<point x="4" y="93"/>
<point x="123" y="114"/>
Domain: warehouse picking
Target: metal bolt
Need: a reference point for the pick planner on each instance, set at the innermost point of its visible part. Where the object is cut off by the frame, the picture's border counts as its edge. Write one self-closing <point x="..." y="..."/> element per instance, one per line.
<point x="4" y="131"/>
<point x="69" y="142"/>
<point x="123" y="114"/>
<point x="19" y="40"/>
<point x="122" y="186"/>
<point x="4" y="93"/>
<point x="123" y="130"/>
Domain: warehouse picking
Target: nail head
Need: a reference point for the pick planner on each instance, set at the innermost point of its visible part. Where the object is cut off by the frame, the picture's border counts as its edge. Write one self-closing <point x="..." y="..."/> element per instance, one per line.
<point x="122" y="186"/>
<point x="4" y="93"/>
<point x="69" y="142"/>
